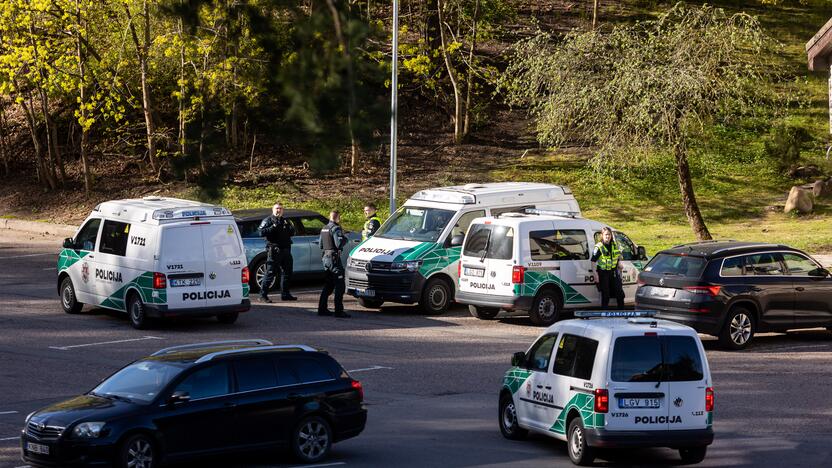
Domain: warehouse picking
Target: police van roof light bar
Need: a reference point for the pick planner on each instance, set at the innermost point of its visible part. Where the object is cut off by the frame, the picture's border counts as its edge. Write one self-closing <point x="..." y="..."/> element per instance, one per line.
<point x="190" y="212"/>
<point x="565" y="214"/>
<point x="585" y="314"/>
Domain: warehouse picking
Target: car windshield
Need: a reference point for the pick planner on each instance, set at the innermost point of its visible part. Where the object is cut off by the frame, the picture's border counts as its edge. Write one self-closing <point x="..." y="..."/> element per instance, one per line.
<point x="139" y="382"/>
<point x="415" y="223"/>
<point x="676" y="265"/>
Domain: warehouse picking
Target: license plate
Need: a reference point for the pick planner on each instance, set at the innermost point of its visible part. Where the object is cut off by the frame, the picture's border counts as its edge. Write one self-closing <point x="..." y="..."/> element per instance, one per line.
<point x="639" y="403"/>
<point x="473" y="272"/>
<point x="37" y="448"/>
<point x="662" y="292"/>
<point x="185" y="282"/>
<point x="365" y="292"/>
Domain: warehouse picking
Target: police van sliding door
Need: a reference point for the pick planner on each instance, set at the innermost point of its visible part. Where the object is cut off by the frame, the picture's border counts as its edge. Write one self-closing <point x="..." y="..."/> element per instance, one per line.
<point x="183" y="261"/>
<point x="223" y="264"/>
<point x="564" y="254"/>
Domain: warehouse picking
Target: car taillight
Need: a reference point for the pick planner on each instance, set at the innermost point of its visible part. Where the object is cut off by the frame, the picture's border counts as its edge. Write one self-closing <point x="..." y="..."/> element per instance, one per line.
<point x="245" y="275"/>
<point x="159" y="281"/>
<point x="710" y="290"/>
<point x="602" y="400"/>
<point x="357" y="386"/>
<point x="459" y="269"/>
<point x="641" y="282"/>
<point x="517" y="274"/>
<point x="709" y="399"/>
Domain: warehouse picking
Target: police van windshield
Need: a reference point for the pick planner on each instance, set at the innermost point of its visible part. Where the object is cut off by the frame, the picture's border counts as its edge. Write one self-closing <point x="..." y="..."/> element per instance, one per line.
<point x="415" y="223"/>
<point x="489" y="241"/>
<point x="656" y="359"/>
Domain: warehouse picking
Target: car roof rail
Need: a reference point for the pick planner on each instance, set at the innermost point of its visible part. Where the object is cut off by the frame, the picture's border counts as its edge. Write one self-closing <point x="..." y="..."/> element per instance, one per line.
<point x="690" y="245"/>
<point x="176" y="349"/>
<point x="293" y="347"/>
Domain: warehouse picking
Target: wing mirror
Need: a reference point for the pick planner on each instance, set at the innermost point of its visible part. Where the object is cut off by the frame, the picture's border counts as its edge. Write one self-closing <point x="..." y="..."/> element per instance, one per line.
<point x="69" y="243"/>
<point x="642" y="253"/>
<point x="518" y="359"/>
<point x="179" y="397"/>
<point x="819" y="272"/>
<point x="457" y="240"/>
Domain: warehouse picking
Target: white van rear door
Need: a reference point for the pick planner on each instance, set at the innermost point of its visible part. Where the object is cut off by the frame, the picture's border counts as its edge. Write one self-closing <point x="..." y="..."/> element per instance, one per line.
<point x="638" y="392"/>
<point x="182" y="260"/>
<point x="223" y="264"/>
<point x="687" y="383"/>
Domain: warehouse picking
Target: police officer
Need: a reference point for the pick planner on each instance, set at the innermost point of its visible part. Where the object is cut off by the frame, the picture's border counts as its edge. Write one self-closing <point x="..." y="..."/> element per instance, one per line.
<point x="278" y="232"/>
<point x="332" y="242"/>
<point x="606" y="256"/>
<point x="372" y="223"/>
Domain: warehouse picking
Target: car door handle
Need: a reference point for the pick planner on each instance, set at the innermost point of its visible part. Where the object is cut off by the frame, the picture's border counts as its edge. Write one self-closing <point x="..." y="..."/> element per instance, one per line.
<point x="90" y="256"/>
<point x="800" y="288"/>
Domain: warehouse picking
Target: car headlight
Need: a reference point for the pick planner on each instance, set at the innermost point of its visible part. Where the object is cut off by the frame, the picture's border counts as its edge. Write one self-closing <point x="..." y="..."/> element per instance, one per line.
<point x="409" y="266"/>
<point x="88" y="430"/>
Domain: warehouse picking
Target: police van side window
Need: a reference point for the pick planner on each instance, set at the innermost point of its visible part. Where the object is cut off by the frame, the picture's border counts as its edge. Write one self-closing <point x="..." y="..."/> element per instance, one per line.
<point x="85" y="239"/>
<point x="556" y="244"/>
<point x="541" y="353"/>
<point x="114" y="238"/>
<point x="575" y="357"/>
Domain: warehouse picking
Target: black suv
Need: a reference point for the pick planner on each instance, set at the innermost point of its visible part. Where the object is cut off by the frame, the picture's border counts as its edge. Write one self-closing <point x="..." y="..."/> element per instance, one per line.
<point x="202" y="399"/>
<point x="735" y="289"/>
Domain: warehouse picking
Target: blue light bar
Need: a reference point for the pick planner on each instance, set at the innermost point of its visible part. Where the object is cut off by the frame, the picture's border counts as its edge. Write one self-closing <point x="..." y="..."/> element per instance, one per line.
<point x="614" y="313"/>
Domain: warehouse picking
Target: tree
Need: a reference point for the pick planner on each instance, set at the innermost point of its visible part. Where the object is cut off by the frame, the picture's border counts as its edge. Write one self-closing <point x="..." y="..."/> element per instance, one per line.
<point x="648" y="85"/>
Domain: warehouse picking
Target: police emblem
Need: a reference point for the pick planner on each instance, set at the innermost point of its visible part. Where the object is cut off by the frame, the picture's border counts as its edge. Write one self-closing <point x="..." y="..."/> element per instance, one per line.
<point x="678" y="402"/>
<point x="213" y="275"/>
<point x="85" y="272"/>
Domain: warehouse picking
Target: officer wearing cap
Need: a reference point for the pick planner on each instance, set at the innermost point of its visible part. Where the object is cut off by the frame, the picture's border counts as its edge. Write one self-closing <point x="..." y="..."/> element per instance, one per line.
<point x="372" y="222"/>
<point x="332" y="242"/>
<point x="278" y="232"/>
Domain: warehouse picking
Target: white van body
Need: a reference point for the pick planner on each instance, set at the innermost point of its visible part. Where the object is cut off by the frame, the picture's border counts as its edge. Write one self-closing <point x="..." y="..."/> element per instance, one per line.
<point x="177" y="257"/>
<point x="537" y="265"/>
<point x="650" y="378"/>
<point x="413" y="256"/>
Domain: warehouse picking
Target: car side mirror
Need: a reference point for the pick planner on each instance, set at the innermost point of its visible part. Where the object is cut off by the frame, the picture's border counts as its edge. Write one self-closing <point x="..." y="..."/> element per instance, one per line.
<point x="179" y="397"/>
<point x="819" y="272"/>
<point x="642" y="253"/>
<point x="457" y="240"/>
<point x="518" y="359"/>
<point x="69" y="243"/>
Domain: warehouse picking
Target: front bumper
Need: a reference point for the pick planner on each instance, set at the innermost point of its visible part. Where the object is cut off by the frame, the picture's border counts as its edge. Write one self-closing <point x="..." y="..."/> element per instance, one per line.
<point x="511" y="303"/>
<point x="162" y="311"/>
<point x="603" y="438"/>
<point x="64" y="452"/>
<point x="390" y="286"/>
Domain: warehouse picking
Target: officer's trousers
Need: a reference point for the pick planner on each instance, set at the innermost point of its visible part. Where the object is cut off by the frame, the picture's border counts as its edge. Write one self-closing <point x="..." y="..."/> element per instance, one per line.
<point x="278" y="261"/>
<point x="609" y="283"/>
<point x="333" y="281"/>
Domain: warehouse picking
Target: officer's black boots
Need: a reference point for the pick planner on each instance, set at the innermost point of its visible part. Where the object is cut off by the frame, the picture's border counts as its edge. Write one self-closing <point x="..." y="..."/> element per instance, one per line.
<point x="264" y="298"/>
<point x="342" y="315"/>
<point x="288" y="297"/>
<point x="324" y="313"/>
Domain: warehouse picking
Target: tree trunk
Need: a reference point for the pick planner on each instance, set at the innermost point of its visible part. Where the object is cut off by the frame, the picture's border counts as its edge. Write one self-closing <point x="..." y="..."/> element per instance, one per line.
<point x="451" y="75"/>
<point x="45" y="174"/>
<point x="594" y="12"/>
<point x="470" y="79"/>
<point x="4" y="131"/>
<point x="51" y="131"/>
<point x="688" y="196"/>
<point x="345" y="46"/>
<point x="83" y="100"/>
<point x="181" y="100"/>
<point x="141" y="54"/>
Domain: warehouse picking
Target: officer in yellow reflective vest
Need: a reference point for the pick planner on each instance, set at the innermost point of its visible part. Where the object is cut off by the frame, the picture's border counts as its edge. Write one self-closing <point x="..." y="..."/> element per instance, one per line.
<point x="606" y="256"/>
<point x="372" y="223"/>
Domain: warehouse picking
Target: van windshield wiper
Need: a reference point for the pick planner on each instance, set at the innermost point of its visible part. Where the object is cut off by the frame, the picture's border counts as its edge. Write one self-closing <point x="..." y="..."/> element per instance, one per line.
<point x="487" y="245"/>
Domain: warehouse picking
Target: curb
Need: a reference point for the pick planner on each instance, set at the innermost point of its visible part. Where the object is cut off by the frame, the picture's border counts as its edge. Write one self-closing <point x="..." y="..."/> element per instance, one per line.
<point x="63" y="230"/>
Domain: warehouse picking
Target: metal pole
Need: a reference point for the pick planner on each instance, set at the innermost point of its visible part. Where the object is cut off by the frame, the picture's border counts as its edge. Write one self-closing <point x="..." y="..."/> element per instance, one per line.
<point x="394" y="91"/>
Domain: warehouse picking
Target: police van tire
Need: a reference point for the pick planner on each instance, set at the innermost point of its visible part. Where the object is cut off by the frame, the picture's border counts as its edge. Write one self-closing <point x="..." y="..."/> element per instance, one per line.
<point x="580" y="453"/>
<point x="368" y="303"/>
<point x="137" y="312"/>
<point x="69" y="301"/>
<point x="312" y="439"/>
<point x="483" y="313"/>
<point x="228" y="318"/>
<point x="738" y="330"/>
<point x="507" y="418"/>
<point x="436" y="297"/>
<point x="691" y="455"/>
<point x="546" y="308"/>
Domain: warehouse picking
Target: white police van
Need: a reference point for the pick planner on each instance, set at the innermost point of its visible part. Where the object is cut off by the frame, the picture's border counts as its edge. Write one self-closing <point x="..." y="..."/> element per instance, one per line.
<point x="537" y="264"/>
<point x="412" y="258"/>
<point x="612" y="379"/>
<point x="156" y="257"/>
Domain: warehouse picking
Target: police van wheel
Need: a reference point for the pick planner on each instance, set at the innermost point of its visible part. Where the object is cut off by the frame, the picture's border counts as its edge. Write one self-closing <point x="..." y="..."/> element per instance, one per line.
<point x="370" y="303"/>
<point x="579" y="452"/>
<point x="483" y="313"/>
<point x="738" y="330"/>
<point x="693" y="454"/>
<point x="228" y="318"/>
<point x="137" y="312"/>
<point x="508" y="420"/>
<point x="69" y="301"/>
<point x="436" y="297"/>
<point x="545" y="308"/>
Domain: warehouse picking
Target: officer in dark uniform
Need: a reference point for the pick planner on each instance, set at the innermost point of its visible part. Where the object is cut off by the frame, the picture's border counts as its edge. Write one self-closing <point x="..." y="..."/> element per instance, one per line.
<point x="372" y="223"/>
<point x="278" y="232"/>
<point x="606" y="257"/>
<point x="332" y="242"/>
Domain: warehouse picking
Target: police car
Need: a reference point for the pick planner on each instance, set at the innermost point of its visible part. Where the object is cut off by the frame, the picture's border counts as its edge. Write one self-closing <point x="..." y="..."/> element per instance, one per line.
<point x="156" y="257"/>
<point x="612" y="379"/>
<point x="537" y="264"/>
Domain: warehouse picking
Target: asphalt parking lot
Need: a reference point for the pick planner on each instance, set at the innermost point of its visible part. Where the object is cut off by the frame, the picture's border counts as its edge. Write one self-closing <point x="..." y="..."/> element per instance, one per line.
<point x="431" y="382"/>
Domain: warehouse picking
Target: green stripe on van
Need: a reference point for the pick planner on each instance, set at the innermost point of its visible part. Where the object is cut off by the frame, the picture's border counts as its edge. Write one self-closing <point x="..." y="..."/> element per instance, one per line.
<point x="585" y="404"/>
<point x="69" y="257"/>
<point x="533" y="280"/>
<point x="144" y="284"/>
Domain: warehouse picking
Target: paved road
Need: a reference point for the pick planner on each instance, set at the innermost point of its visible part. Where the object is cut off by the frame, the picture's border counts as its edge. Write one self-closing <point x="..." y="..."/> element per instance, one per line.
<point x="431" y="383"/>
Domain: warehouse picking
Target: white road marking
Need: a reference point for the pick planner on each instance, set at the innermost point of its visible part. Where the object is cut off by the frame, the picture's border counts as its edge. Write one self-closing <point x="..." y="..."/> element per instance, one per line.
<point x="317" y="466"/>
<point x="8" y="412"/>
<point x="369" y="369"/>
<point x="64" y="348"/>
<point x="50" y="268"/>
<point x="9" y="438"/>
<point x="28" y="255"/>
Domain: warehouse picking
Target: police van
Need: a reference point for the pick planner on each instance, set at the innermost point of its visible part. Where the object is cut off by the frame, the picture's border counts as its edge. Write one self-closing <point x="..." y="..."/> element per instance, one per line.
<point x="156" y="257"/>
<point x="537" y="264"/>
<point x="612" y="379"/>
<point x="412" y="258"/>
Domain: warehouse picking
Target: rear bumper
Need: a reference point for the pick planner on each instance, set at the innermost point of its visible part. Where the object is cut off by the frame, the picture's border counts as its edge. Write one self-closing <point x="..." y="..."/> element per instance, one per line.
<point x="674" y="439"/>
<point x="705" y="317"/>
<point x="498" y="302"/>
<point x="350" y="425"/>
<point x="162" y="311"/>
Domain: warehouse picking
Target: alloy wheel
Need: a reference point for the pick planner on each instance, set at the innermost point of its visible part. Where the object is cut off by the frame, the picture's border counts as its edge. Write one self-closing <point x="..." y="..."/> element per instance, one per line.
<point x="313" y="439"/>
<point x="260" y="273"/>
<point x="140" y="454"/>
<point x="740" y="329"/>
